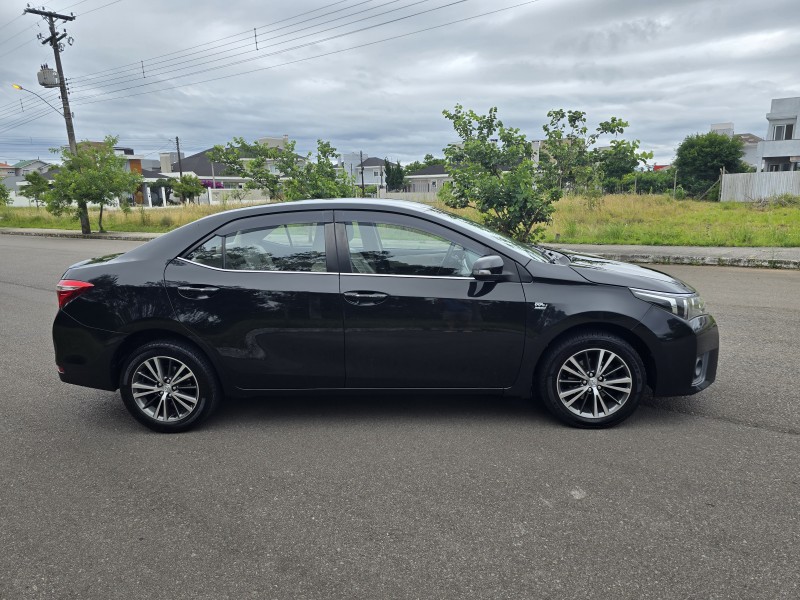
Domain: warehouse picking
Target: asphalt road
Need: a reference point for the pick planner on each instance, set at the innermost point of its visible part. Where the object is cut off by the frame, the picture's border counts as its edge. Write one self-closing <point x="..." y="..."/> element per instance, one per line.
<point x="401" y="497"/>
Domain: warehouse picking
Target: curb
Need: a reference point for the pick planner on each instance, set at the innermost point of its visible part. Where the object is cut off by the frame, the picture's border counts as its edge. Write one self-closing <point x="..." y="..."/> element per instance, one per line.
<point x="711" y="261"/>
<point x="125" y="237"/>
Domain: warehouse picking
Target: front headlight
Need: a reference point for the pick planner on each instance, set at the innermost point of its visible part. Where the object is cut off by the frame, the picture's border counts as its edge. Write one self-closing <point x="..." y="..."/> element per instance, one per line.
<point x="686" y="306"/>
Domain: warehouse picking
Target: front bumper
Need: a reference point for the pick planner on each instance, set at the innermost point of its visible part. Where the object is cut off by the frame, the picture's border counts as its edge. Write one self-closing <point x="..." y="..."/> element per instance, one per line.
<point x="684" y="354"/>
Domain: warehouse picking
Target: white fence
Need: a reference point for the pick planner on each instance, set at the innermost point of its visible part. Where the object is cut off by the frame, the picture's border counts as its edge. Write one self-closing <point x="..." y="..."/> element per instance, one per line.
<point x="749" y="187"/>
<point x="426" y="197"/>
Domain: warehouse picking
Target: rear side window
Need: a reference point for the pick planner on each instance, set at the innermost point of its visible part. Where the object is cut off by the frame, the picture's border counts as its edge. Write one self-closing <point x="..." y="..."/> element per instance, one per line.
<point x="286" y="247"/>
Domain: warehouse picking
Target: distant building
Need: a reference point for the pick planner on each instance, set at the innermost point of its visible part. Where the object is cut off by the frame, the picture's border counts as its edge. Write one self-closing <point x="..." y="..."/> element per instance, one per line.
<point x="749" y="142"/>
<point x="24" y="167"/>
<point x="6" y="170"/>
<point x="427" y="179"/>
<point x="780" y="151"/>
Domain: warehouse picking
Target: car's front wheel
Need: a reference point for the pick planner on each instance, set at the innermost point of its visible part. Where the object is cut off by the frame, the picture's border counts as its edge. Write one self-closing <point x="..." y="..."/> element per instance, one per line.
<point x="169" y="386"/>
<point x="592" y="379"/>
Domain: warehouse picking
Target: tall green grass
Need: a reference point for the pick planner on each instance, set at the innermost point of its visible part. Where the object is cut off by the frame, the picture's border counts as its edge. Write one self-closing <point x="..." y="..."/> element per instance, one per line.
<point x="616" y="219"/>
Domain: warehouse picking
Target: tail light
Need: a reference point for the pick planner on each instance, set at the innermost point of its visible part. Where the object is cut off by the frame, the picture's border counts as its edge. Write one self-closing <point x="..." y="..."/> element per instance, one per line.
<point x="69" y="289"/>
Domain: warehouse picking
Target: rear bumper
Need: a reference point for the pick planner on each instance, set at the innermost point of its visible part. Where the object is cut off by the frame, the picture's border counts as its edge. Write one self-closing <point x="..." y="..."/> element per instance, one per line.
<point x="83" y="355"/>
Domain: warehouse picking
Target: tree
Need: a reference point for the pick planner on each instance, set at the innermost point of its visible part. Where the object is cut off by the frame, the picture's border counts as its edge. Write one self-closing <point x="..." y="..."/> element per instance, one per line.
<point x="36" y="188"/>
<point x="395" y="176"/>
<point x="93" y="175"/>
<point x="580" y="166"/>
<point x="253" y="162"/>
<point x="5" y="195"/>
<point x="621" y="159"/>
<point x="514" y="194"/>
<point x="188" y="186"/>
<point x="648" y="182"/>
<point x="319" y="178"/>
<point x="166" y="183"/>
<point x="700" y="157"/>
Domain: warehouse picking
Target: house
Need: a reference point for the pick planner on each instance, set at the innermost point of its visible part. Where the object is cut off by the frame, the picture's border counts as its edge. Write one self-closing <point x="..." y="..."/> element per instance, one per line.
<point x="749" y="142"/>
<point x="6" y="170"/>
<point x="371" y="171"/>
<point x="780" y="151"/>
<point x="427" y="179"/>
<point x="24" y="167"/>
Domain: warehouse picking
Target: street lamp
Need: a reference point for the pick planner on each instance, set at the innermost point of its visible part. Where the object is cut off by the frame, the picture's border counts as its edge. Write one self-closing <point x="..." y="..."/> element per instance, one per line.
<point x="17" y="86"/>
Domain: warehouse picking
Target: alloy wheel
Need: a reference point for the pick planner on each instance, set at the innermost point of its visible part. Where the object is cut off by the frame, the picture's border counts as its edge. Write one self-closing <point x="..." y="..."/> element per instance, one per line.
<point x="165" y="389"/>
<point x="594" y="383"/>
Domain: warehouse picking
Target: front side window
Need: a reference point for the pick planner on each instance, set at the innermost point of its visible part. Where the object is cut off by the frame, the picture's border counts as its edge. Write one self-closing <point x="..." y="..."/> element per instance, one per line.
<point x="784" y="132"/>
<point x="389" y="249"/>
<point x="288" y="247"/>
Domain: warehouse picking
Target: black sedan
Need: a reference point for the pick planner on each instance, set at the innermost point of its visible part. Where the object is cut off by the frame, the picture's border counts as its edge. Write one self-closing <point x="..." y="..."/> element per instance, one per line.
<point x="368" y="296"/>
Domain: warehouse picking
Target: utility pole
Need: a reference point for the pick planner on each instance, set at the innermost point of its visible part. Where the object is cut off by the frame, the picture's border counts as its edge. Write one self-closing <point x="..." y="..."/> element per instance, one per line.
<point x="361" y="166"/>
<point x="180" y="163"/>
<point x="55" y="42"/>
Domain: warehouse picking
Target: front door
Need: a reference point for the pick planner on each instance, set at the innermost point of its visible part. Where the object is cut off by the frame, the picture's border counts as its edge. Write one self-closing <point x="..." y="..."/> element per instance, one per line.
<point x="413" y="315"/>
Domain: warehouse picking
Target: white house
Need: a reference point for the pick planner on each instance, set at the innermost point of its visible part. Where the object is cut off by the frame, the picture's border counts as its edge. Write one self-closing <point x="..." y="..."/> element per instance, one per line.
<point x="780" y="151"/>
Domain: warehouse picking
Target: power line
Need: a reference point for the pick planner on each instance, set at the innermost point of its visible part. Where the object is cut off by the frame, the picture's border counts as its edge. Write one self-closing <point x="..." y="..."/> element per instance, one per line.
<point x="304" y="59"/>
<point x="247" y="42"/>
<point x="297" y="47"/>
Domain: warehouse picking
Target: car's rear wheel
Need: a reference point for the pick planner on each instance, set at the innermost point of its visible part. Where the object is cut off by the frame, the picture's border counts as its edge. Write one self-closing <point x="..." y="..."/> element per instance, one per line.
<point x="592" y="379"/>
<point x="169" y="386"/>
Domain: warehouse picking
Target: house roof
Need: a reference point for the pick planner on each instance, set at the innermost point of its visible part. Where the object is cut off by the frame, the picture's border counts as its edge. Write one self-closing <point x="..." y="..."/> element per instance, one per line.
<point x="749" y="138"/>
<point x="148" y="174"/>
<point x="429" y="170"/>
<point x="199" y="164"/>
<point x="5" y="166"/>
<point x="24" y="163"/>
<point x="373" y="162"/>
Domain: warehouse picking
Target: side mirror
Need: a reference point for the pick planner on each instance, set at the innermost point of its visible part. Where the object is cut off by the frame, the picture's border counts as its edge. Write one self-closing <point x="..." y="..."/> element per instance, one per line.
<point x="488" y="268"/>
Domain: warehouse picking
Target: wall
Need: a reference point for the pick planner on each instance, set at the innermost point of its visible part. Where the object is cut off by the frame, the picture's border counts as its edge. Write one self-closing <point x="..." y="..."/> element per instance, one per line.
<point x="749" y="187"/>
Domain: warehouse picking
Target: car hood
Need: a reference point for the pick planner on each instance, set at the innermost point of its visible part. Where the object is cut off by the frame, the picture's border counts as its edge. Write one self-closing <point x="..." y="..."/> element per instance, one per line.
<point x="614" y="272"/>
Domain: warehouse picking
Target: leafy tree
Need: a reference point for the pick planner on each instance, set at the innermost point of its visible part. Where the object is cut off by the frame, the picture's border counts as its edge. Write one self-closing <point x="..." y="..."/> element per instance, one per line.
<point x="514" y="194"/>
<point x="189" y="187"/>
<point x="5" y="195"/>
<point x="428" y="161"/>
<point x="395" y="176"/>
<point x="569" y="145"/>
<point x="253" y="162"/>
<point x="319" y="178"/>
<point x="648" y="182"/>
<point x="700" y="157"/>
<point x="93" y="175"/>
<point x="36" y="188"/>
<point x="166" y="183"/>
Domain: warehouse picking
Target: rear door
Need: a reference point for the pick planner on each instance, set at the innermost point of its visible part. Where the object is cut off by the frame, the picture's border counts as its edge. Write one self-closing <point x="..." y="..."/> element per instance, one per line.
<point x="264" y="293"/>
<point x="413" y="315"/>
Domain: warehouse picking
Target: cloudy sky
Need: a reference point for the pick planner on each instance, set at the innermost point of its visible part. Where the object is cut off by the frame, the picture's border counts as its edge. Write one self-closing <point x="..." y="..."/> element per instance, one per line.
<point x="375" y="75"/>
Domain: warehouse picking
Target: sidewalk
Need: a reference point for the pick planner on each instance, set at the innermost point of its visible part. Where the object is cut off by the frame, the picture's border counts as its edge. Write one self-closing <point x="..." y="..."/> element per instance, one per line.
<point x="773" y="258"/>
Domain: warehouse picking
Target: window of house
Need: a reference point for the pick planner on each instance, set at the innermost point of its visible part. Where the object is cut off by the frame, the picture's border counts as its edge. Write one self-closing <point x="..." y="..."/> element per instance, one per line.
<point x="784" y="132"/>
<point x="376" y="173"/>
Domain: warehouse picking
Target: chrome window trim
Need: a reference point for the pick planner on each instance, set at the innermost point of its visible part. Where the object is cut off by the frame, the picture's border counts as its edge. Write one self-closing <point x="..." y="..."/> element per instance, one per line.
<point x="191" y="262"/>
<point x="412" y="276"/>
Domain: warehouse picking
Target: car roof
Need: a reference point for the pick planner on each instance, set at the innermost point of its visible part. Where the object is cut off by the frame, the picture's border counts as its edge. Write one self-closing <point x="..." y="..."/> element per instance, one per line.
<point x="179" y="239"/>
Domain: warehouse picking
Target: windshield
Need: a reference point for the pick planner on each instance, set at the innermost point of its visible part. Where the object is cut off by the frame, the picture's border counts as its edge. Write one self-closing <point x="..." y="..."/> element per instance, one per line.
<point x="527" y="249"/>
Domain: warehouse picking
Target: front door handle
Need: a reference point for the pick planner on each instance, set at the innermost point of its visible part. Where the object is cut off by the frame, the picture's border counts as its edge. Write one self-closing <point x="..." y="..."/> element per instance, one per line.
<point x="193" y="292"/>
<point x="365" y="298"/>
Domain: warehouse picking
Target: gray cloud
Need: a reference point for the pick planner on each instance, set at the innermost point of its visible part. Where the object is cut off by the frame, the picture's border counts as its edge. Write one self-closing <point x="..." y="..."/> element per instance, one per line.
<point x="669" y="68"/>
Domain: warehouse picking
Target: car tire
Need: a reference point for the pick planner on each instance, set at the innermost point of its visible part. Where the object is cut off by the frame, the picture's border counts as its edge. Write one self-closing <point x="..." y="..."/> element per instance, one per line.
<point x="169" y="386"/>
<point x="592" y="379"/>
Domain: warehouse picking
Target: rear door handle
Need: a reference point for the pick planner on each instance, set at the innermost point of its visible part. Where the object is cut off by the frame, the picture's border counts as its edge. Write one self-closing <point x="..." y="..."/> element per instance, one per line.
<point x="196" y="292"/>
<point x="365" y="298"/>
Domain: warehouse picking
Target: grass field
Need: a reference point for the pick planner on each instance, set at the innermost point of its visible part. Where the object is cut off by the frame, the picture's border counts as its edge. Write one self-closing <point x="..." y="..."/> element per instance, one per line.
<point x="617" y="219"/>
